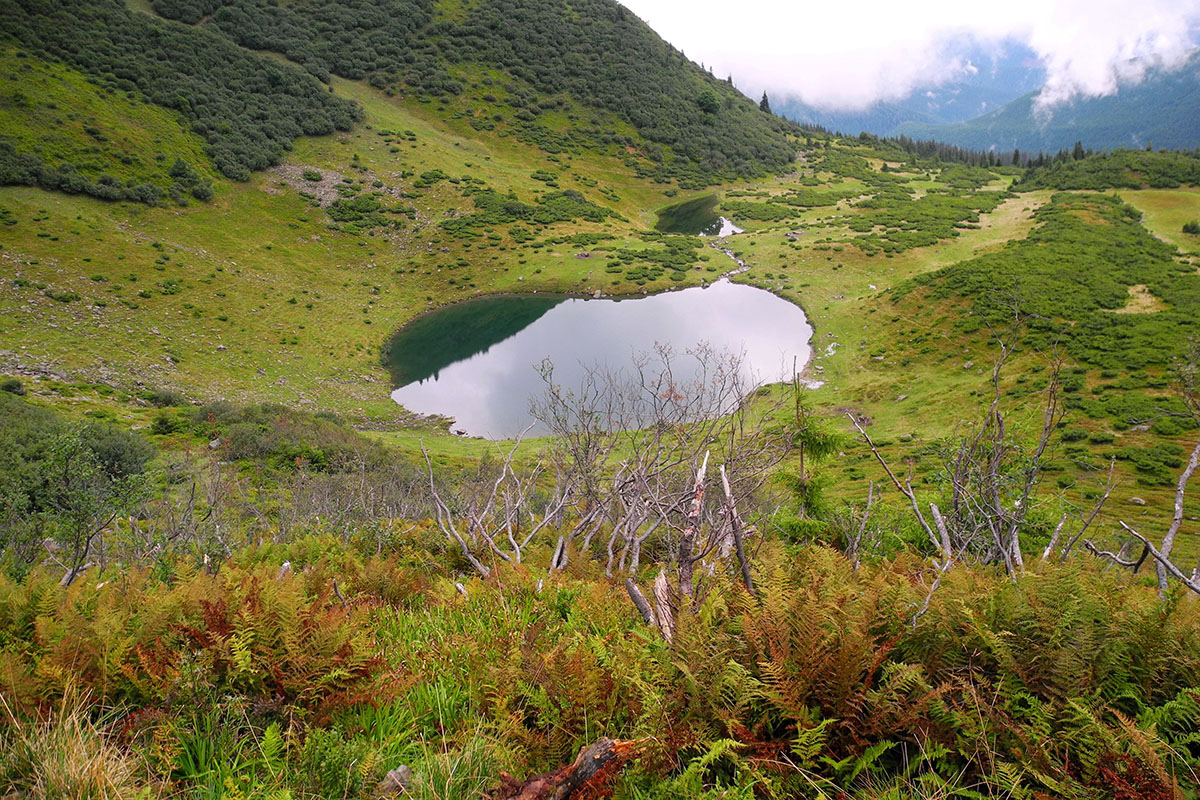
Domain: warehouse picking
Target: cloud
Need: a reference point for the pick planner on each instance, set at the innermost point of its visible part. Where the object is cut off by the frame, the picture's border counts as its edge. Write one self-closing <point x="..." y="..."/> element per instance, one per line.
<point x="848" y="56"/>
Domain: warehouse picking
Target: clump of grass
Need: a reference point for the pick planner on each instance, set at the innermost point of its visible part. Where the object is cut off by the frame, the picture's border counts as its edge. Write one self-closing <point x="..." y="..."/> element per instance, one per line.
<point x="65" y="756"/>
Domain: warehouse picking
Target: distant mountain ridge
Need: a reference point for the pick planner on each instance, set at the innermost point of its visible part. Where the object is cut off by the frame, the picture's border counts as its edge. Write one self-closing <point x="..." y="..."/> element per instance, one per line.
<point x="1163" y="111"/>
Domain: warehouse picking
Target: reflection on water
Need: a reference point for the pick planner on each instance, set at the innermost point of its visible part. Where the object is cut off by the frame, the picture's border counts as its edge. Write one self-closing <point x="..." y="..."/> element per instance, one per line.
<point x="697" y="217"/>
<point x="477" y="361"/>
<point x="455" y="333"/>
<point x="721" y="228"/>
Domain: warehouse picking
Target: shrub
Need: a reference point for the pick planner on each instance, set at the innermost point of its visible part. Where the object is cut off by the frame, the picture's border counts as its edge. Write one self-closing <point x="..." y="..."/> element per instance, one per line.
<point x="165" y="424"/>
<point x="12" y="386"/>
<point x="162" y="398"/>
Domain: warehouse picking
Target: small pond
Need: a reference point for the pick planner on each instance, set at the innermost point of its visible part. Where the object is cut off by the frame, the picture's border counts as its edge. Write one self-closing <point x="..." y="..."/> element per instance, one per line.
<point x="478" y="361"/>
<point x="696" y="217"/>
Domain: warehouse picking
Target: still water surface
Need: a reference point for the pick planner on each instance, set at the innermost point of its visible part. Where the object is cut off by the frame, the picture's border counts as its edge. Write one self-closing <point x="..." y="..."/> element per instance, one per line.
<point x="696" y="217"/>
<point x="478" y="361"/>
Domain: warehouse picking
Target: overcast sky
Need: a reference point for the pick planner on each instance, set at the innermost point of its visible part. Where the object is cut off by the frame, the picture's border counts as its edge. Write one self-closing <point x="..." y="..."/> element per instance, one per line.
<point x="846" y="55"/>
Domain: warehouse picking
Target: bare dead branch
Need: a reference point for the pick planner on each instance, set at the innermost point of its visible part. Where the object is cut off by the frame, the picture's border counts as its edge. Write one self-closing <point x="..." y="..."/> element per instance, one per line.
<point x="1109" y="485"/>
<point x="937" y="582"/>
<point x="856" y="545"/>
<point x="1054" y="537"/>
<point x="1177" y="517"/>
<point x="687" y="561"/>
<point x="1163" y="560"/>
<point x="905" y="490"/>
<point x="1114" y="557"/>
<point x="735" y="524"/>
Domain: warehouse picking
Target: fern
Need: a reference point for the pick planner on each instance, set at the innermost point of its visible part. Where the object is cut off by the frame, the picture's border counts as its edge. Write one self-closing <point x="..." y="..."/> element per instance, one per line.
<point x="810" y="742"/>
<point x="866" y="761"/>
<point x="272" y="747"/>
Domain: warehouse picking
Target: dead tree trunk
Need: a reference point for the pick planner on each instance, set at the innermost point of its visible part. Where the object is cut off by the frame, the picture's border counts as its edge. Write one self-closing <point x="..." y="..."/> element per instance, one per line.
<point x="687" y="543"/>
<point x="735" y="525"/>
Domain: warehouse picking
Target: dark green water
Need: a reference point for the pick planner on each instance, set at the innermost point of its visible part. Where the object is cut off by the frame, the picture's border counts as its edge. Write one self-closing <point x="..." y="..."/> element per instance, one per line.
<point x="425" y="346"/>
<point x="477" y="361"/>
<point x="696" y="217"/>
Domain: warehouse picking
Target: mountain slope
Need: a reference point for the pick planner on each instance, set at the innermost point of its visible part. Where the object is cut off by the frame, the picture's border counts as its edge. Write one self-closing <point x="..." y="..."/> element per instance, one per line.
<point x="620" y="87"/>
<point x="1162" y="110"/>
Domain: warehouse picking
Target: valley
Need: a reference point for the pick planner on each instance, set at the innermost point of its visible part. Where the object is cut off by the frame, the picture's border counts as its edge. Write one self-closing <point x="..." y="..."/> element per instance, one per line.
<point x="835" y="483"/>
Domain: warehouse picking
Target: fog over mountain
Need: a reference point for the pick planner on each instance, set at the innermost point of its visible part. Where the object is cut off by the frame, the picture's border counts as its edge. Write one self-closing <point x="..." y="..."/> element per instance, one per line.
<point x="829" y="59"/>
<point x="993" y="77"/>
<point x="1160" y="110"/>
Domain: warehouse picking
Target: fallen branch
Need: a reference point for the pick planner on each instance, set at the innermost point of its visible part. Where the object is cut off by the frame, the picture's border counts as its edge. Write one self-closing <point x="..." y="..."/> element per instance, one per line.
<point x="640" y="602"/>
<point x="1115" y="558"/>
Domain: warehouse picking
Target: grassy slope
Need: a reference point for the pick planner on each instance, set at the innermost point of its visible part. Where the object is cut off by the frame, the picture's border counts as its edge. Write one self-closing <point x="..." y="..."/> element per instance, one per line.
<point x="1166" y="211"/>
<point x="53" y="112"/>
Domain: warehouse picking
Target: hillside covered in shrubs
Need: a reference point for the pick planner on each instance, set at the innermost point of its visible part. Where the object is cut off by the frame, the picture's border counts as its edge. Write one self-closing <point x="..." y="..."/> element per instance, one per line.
<point x="527" y="62"/>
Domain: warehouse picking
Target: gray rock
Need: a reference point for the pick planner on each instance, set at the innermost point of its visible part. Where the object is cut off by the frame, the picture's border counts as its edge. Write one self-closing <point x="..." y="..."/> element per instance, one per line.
<point x="1137" y="501"/>
<point x="396" y="781"/>
<point x="214" y="444"/>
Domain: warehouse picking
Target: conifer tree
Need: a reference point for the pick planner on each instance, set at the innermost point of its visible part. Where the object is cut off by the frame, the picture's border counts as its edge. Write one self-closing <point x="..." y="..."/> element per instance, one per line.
<point x="765" y="104"/>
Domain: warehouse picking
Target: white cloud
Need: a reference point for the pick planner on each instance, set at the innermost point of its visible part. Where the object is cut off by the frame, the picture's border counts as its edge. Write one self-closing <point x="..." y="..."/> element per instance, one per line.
<point x="849" y="55"/>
